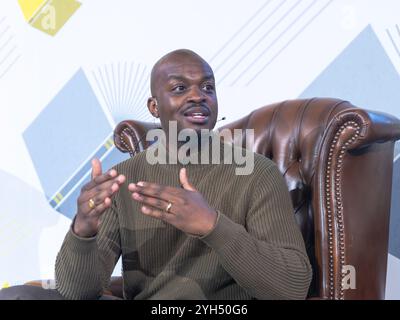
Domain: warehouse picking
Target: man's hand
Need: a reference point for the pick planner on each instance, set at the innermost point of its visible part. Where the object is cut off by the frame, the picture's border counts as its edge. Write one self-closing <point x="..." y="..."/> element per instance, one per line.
<point x="189" y="212"/>
<point x="95" y="198"/>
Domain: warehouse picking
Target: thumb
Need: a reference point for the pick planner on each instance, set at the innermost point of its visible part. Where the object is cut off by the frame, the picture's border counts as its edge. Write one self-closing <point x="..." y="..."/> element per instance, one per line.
<point x="96" y="168"/>
<point x="183" y="178"/>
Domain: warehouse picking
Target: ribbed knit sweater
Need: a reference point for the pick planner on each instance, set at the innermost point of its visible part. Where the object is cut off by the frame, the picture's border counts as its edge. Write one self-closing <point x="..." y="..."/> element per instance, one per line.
<point x="254" y="251"/>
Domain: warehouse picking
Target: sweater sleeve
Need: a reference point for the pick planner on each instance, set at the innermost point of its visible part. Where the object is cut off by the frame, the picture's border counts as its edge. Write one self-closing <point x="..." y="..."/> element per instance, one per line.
<point x="84" y="265"/>
<point x="267" y="256"/>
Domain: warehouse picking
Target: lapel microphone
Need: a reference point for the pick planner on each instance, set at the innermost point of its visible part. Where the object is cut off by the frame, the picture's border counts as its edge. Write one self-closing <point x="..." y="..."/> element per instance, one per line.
<point x="222" y="119"/>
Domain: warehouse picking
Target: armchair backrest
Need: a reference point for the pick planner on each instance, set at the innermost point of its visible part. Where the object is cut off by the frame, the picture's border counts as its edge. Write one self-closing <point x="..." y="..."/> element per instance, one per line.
<point x="337" y="161"/>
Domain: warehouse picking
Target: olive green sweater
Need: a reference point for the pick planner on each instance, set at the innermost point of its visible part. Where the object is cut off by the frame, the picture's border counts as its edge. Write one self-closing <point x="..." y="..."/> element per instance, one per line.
<point x="254" y="251"/>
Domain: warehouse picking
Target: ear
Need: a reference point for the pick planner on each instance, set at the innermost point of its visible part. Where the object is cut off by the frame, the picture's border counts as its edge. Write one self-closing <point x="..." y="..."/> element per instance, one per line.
<point x="152" y="106"/>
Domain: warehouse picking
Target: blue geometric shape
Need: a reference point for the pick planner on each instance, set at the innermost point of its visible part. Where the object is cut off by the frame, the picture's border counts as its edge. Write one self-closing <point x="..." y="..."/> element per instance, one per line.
<point x="362" y="74"/>
<point x="66" y="132"/>
<point x="396" y="149"/>
<point x="394" y="241"/>
<point x="65" y="136"/>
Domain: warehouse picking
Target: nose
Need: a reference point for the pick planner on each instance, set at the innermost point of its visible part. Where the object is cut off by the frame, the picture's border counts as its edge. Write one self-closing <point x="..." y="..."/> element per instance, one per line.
<point x="196" y="95"/>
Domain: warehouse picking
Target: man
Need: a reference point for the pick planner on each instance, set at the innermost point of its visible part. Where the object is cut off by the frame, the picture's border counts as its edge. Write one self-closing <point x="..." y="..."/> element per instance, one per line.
<point x="185" y="231"/>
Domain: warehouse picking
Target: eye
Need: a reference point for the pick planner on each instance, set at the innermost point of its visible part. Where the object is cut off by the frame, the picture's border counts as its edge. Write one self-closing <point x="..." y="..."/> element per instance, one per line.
<point x="178" y="88"/>
<point x="208" y="87"/>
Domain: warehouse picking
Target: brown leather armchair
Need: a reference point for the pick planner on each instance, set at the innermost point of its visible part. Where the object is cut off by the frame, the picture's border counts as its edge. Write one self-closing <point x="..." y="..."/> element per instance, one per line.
<point x="337" y="161"/>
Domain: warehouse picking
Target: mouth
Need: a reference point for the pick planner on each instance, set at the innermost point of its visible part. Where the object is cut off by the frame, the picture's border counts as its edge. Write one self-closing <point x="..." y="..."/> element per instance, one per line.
<point x="197" y="115"/>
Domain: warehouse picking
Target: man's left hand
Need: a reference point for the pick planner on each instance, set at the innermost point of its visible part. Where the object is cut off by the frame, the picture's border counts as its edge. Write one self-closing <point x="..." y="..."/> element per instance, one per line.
<point x="188" y="211"/>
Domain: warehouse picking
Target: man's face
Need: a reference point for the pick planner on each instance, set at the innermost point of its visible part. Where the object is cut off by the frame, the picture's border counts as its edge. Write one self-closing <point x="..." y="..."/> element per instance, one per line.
<point x="185" y="92"/>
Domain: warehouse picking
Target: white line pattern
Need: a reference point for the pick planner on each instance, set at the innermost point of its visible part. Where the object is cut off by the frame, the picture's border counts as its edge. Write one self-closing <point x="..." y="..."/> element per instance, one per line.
<point x="124" y="88"/>
<point x="9" y="53"/>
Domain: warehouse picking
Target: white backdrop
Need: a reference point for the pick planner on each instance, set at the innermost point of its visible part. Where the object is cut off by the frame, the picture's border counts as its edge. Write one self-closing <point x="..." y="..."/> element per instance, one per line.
<point x="261" y="51"/>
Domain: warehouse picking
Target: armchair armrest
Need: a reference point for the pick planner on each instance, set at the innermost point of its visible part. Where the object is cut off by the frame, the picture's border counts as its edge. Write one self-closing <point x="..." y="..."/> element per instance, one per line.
<point x="351" y="202"/>
<point x="130" y="136"/>
<point x="372" y="127"/>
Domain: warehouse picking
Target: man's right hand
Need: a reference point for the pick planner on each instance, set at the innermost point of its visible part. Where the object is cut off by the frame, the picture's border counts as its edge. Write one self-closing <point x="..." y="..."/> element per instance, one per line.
<point x="94" y="199"/>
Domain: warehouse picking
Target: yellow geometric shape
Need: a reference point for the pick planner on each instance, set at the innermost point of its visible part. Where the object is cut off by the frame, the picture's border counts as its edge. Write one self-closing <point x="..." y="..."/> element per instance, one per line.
<point x="48" y="16"/>
<point x="29" y="7"/>
<point x="109" y="143"/>
<point x="5" y="285"/>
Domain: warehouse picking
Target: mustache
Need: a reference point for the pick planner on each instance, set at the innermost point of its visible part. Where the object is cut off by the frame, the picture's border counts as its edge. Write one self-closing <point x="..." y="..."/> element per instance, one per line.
<point x="203" y="106"/>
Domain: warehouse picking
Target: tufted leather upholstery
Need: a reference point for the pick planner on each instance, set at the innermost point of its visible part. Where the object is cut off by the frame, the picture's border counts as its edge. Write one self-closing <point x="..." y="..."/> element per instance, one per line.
<point x="337" y="161"/>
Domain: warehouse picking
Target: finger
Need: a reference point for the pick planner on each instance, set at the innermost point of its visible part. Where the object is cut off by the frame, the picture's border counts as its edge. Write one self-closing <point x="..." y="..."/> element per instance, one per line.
<point x="96" y="168"/>
<point x="183" y="178"/>
<point x="107" y="177"/>
<point x="101" y="207"/>
<point x="157" y="191"/>
<point x="98" y="191"/>
<point x="150" y="201"/>
<point x="106" y="193"/>
<point x="158" y="214"/>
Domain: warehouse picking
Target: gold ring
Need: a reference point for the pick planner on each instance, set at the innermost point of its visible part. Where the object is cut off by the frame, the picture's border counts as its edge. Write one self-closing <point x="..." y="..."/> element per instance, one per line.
<point x="168" y="207"/>
<point x="91" y="203"/>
